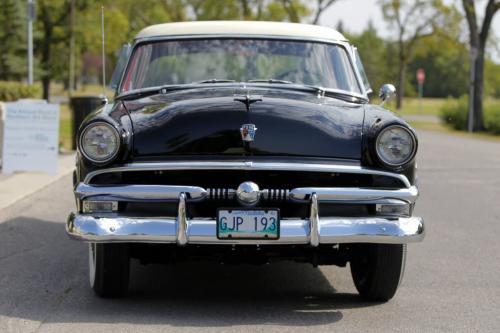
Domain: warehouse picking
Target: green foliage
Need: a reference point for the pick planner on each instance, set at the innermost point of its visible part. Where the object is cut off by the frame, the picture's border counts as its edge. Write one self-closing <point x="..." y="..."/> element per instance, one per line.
<point x="492" y="117"/>
<point x="492" y="79"/>
<point x="13" y="64"/>
<point x="454" y="113"/>
<point x="374" y="52"/>
<point x="445" y="62"/>
<point x="12" y="91"/>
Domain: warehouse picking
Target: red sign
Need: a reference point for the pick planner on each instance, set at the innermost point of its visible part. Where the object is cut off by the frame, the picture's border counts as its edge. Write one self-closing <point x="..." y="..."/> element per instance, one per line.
<point x="420" y="76"/>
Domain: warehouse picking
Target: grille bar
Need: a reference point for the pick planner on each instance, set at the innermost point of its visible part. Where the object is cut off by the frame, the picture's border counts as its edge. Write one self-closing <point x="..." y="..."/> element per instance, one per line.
<point x="266" y="194"/>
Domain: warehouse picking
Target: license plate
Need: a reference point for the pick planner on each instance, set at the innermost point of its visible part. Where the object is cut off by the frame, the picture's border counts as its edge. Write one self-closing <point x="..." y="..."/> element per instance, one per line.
<point x="248" y="223"/>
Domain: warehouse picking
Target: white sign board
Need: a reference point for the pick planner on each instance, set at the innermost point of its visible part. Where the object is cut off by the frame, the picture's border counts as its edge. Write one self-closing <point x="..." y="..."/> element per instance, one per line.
<point x="31" y="137"/>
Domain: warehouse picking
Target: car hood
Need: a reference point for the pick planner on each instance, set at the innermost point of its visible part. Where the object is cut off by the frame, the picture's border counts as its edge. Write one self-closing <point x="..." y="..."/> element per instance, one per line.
<point x="207" y="121"/>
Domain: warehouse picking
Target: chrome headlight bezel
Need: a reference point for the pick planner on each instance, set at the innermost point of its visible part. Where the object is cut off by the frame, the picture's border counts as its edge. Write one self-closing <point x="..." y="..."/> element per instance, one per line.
<point x="115" y="151"/>
<point x="408" y="159"/>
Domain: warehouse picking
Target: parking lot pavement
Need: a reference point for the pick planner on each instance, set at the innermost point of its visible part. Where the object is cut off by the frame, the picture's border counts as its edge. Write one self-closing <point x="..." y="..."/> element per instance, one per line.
<point x="16" y="186"/>
<point x="451" y="281"/>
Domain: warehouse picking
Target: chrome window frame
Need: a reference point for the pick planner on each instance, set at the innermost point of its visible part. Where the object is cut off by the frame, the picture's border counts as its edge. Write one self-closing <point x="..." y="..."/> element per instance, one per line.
<point x="344" y="44"/>
<point x="355" y="53"/>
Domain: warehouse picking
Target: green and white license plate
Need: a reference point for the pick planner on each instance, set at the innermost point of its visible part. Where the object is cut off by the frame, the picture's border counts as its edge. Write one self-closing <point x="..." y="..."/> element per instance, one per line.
<point x="248" y="223"/>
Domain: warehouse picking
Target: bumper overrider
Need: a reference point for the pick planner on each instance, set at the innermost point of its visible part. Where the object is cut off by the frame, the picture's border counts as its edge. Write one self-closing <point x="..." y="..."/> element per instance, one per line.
<point x="181" y="230"/>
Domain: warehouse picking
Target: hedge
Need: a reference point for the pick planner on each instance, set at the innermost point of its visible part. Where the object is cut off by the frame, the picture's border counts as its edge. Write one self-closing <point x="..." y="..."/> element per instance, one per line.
<point x="454" y="113"/>
<point x="12" y="91"/>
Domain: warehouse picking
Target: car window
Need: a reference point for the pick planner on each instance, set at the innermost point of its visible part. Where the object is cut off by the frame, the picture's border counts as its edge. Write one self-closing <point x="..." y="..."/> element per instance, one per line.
<point x="187" y="61"/>
<point x="362" y="71"/>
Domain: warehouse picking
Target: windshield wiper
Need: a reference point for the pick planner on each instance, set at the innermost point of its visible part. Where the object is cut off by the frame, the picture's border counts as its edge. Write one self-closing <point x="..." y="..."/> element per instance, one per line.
<point x="320" y="91"/>
<point x="214" y="81"/>
<point x="138" y="93"/>
<point x="344" y="96"/>
<point x="270" y="81"/>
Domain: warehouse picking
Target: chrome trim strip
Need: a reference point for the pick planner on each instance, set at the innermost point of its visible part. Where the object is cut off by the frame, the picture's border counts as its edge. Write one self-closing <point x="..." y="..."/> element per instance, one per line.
<point x="339" y="194"/>
<point x="194" y="193"/>
<point x="140" y="192"/>
<point x="314" y="221"/>
<point x="246" y="165"/>
<point x="182" y="226"/>
<point x="203" y="231"/>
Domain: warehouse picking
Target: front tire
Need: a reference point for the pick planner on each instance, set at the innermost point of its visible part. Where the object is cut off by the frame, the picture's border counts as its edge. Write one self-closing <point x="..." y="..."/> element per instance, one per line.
<point x="109" y="269"/>
<point x="377" y="270"/>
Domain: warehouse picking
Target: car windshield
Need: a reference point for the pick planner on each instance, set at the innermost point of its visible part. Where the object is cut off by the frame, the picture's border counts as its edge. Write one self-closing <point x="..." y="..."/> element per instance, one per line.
<point x="242" y="60"/>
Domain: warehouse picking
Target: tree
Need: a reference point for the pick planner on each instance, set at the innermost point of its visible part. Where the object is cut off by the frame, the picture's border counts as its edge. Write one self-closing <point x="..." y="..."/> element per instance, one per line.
<point x="123" y="19"/>
<point x="12" y="40"/>
<point x="413" y="20"/>
<point x="321" y="6"/>
<point x="52" y="16"/>
<point x="478" y="37"/>
<point x="443" y="60"/>
<point x="374" y="52"/>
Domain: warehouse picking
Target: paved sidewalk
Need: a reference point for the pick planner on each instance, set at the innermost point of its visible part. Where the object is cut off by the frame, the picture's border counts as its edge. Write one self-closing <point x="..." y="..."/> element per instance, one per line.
<point x="16" y="186"/>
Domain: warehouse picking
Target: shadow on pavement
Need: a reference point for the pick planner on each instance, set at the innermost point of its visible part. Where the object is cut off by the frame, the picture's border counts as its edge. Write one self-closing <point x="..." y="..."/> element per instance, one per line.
<point x="43" y="277"/>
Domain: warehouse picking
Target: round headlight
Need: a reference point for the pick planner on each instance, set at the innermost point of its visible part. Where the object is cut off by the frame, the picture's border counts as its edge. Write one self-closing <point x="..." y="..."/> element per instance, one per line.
<point x="99" y="142"/>
<point x="396" y="145"/>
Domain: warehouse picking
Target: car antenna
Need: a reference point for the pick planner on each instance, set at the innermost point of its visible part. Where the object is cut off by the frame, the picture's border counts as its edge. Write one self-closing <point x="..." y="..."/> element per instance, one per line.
<point x="105" y="99"/>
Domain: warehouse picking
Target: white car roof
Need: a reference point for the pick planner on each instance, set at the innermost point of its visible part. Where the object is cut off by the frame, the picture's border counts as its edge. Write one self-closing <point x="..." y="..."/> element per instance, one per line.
<point x="235" y="28"/>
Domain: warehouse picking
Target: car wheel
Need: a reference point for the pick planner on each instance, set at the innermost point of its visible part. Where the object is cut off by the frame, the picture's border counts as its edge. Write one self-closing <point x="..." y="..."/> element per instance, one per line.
<point x="377" y="269"/>
<point x="109" y="266"/>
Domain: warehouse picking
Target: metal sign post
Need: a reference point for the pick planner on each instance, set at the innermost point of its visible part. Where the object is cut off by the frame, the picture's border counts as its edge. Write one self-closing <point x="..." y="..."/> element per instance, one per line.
<point x="473" y="56"/>
<point x="31" y="17"/>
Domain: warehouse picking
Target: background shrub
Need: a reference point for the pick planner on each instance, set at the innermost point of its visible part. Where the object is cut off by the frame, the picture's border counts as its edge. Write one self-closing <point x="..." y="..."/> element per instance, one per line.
<point x="492" y="117"/>
<point x="12" y="91"/>
<point x="454" y="113"/>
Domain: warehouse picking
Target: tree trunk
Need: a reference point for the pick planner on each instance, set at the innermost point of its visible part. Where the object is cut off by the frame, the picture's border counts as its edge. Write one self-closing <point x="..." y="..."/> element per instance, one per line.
<point x="478" y="39"/>
<point x="401" y="84"/>
<point x="46" y="53"/>
<point x="46" y="76"/>
<point x="478" y="91"/>
<point x="45" y="87"/>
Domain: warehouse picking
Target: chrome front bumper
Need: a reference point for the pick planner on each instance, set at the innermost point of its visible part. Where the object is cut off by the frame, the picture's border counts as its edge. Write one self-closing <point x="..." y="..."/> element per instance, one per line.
<point x="201" y="231"/>
<point x="313" y="231"/>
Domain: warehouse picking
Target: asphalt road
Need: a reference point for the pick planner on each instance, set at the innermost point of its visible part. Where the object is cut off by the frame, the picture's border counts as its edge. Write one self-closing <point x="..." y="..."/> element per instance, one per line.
<point x="452" y="280"/>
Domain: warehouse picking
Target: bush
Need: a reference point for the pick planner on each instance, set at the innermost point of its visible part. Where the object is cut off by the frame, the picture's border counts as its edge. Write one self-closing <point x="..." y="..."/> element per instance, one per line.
<point x="12" y="91"/>
<point x="454" y="113"/>
<point x="492" y="117"/>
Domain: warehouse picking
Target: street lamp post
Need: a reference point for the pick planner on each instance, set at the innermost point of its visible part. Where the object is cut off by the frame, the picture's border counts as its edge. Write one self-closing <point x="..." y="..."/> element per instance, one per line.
<point x="31" y="16"/>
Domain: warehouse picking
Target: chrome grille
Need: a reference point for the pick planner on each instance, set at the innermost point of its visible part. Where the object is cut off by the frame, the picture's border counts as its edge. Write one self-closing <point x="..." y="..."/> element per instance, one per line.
<point x="220" y="193"/>
<point x="267" y="194"/>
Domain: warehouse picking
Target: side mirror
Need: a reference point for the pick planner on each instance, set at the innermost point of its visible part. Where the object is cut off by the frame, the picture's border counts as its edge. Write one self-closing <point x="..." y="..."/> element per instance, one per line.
<point x="387" y="93"/>
<point x="104" y="99"/>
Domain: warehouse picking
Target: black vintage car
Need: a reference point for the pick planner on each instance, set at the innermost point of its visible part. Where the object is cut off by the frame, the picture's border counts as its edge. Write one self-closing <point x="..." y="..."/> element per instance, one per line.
<point x="245" y="142"/>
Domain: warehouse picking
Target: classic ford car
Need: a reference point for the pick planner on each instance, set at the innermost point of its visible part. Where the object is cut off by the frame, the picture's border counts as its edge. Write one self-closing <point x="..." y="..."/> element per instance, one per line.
<point x="245" y="142"/>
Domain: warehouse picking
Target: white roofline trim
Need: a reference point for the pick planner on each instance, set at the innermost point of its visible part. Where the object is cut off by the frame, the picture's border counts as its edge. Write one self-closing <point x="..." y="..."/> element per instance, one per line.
<point x="235" y="28"/>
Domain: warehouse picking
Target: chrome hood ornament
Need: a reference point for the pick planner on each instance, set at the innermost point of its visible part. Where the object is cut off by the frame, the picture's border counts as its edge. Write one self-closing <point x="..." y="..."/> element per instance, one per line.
<point x="248" y="132"/>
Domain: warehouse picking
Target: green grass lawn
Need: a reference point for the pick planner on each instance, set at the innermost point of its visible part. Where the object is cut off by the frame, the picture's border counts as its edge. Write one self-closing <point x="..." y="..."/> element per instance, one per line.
<point x="438" y="127"/>
<point x="65" y="127"/>
<point x="412" y="106"/>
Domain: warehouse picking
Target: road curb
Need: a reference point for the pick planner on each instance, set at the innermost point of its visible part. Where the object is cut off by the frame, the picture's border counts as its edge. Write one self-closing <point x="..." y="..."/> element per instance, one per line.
<point x="21" y="185"/>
